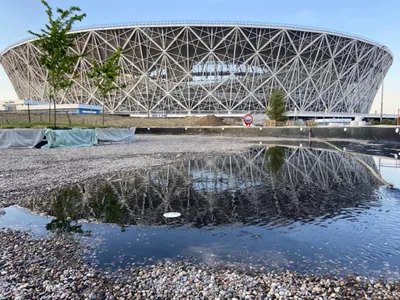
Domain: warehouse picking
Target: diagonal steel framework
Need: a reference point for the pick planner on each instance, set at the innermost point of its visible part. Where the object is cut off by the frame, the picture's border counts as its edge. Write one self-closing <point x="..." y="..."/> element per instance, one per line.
<point x="223" y="189"/>
<point x="205" y="68"/>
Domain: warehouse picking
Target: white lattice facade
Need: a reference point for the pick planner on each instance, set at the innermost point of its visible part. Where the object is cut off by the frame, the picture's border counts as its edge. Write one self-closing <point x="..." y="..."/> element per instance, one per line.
<point x="215" y="68"/>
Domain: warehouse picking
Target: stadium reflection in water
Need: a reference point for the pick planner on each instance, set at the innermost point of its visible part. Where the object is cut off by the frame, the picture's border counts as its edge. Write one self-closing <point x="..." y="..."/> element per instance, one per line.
<point x="269" y="187"/>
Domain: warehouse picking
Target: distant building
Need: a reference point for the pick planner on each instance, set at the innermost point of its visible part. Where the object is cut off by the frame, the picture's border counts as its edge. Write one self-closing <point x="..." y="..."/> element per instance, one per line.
<point x="35" y="105"/>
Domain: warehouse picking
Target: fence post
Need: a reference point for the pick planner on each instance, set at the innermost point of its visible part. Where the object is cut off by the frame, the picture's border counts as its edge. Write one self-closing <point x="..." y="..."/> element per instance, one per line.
<point x="29" y="114"/>
<point x="69" y="120"/>
<point x="7" y="112"/>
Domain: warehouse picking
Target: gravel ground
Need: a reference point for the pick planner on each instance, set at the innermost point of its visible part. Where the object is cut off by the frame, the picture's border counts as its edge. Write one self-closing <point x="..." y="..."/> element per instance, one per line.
<point x="24" y="172"/>
<point x="32" y="171"/>
<point x="52" y="268"/>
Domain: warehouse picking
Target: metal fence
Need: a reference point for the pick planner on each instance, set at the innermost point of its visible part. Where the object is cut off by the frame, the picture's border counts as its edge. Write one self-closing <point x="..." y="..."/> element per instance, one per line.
<point x="46" y="117"/>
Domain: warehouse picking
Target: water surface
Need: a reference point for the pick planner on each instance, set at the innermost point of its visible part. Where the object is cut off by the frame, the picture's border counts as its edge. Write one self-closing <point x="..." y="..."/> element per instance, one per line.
<point x="311" y="210"/>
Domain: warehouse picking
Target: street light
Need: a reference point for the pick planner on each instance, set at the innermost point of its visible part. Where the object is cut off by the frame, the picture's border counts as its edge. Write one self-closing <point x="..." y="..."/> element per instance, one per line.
<point x="383" y="48"/>
<point x="147" y="76"/>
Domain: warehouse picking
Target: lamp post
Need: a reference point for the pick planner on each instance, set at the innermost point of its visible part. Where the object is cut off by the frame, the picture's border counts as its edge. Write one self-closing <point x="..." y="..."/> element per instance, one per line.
<point x="382" y="89"/>
<point x="147" y="77"/>
<point x="382" y="99"/>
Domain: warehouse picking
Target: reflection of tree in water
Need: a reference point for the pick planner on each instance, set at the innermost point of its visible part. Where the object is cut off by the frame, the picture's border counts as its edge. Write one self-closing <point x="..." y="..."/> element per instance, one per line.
<point x="63" y="211"/>
<point x="278" y="186"/>
<point x="65" y="226"/>
<point x="107" y="207"/>
<point x="275" y="159"/>
<point x="75" y="203"/>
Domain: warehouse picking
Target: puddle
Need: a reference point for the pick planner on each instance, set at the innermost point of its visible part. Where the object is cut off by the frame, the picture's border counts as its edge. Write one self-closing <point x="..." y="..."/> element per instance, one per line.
<point x="303" y="209"/>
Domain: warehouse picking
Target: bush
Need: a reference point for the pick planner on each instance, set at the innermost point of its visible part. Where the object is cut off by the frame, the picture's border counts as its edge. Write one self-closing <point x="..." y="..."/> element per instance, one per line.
<point x="276" y="109"/>
<point x="384" y="122"/>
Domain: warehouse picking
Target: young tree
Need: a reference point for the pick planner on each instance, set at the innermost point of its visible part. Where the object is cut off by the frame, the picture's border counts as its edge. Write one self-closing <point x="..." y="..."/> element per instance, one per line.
<point x="106" y="75"/>
<point x="54" y="42"/>
<point x="276" y="109"/>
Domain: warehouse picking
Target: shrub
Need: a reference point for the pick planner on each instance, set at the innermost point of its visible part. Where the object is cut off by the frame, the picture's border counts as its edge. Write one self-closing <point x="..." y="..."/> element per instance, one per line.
<point x="276" y="109"/>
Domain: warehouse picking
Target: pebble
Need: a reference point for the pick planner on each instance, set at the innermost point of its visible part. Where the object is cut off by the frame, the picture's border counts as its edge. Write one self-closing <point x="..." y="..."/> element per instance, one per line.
<point x="45" y="272"/>
<point x="29" y="172"/>
<point x="54" y="268"/>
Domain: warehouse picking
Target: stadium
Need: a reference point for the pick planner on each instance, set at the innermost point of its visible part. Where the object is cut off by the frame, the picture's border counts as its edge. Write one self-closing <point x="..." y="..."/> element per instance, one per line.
<point x="200" y="68"/>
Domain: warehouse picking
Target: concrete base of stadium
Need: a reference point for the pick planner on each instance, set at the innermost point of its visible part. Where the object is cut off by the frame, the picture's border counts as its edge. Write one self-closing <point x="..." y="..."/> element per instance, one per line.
<point x="386" y="134"/>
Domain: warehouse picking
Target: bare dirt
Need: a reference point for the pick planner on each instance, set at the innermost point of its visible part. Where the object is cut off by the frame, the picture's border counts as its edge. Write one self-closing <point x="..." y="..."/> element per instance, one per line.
<point x="122" y="121"/>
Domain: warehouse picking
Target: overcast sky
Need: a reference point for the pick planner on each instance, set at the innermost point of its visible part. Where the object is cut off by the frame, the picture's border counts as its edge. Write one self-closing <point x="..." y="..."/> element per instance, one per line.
<point x="375" y="20"/>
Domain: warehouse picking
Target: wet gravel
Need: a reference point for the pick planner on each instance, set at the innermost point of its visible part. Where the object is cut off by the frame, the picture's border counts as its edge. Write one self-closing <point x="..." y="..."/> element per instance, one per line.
<point x="25" y="172"/>
<point x="52" y="268"/>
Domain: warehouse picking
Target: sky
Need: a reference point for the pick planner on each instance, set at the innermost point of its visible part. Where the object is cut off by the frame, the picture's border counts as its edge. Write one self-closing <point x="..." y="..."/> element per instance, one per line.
<point x="375" y="20"/>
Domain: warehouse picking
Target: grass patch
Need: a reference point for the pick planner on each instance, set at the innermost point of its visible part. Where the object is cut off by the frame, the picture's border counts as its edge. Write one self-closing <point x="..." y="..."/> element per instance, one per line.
<point x="384" y="122"/>
<point x="51" y="125"/>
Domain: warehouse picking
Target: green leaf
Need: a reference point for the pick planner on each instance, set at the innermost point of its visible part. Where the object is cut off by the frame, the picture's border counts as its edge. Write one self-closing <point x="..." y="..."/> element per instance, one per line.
<point x="276" y="109"/>
<point x="54" y="42"/>
<point x="105" y="76"/>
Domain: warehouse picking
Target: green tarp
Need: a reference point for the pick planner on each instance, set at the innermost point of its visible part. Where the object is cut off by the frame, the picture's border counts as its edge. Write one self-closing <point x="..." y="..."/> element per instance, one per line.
<point x="70" y="138"/>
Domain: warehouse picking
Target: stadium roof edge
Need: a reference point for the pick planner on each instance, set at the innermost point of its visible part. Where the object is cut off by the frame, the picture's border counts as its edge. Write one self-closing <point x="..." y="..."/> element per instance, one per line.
<point x="210" y="23"/>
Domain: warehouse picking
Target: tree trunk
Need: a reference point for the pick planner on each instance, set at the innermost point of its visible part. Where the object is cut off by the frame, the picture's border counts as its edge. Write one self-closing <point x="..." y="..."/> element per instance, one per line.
<point x="49" y="111"/>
